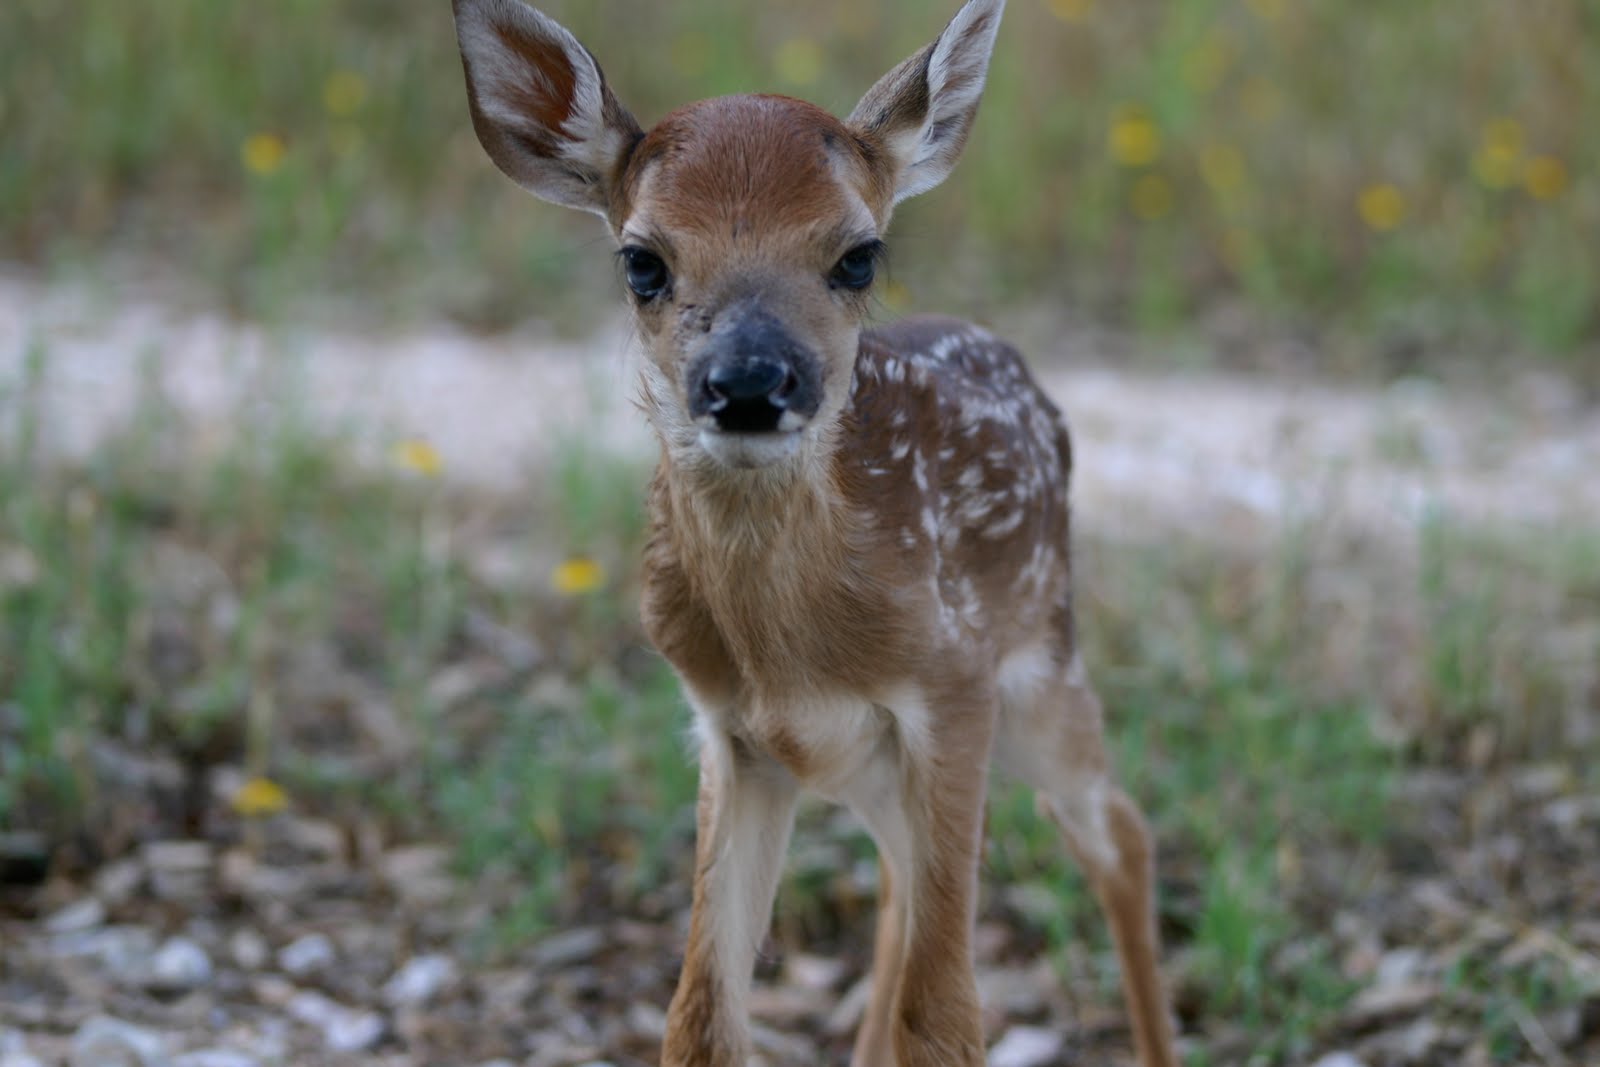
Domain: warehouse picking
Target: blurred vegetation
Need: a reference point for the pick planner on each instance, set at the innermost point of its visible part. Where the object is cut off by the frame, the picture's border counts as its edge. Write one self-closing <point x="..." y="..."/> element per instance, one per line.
<point x="1419" y="175"/>
<point x="271" y="608"/>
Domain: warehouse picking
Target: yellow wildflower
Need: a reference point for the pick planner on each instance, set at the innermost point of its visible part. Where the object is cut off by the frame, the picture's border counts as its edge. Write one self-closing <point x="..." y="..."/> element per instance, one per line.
<point x="1382" y="206"/>
<point x="578" y="576"/>
<point x="419" y="456"/>
<point x="1134" y="141"/>
<point x="799" y="61"/>
<point x="1498" y="161"/>
<point x="1071" y="10"/>
<point x="263" y="153"/>
<point x="1545" y="177"/>
<point x="1504" y="134"/>
<point x="343" y="93"/>
<point x="1151" y="197"/>
<point x="259" y="797"/>
<point x="1269" y="10"/>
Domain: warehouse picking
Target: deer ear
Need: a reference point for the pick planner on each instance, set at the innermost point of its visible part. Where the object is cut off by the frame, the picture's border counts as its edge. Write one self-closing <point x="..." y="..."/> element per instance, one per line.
<point x="540" y="105"/>
<point x="922" y="111"/>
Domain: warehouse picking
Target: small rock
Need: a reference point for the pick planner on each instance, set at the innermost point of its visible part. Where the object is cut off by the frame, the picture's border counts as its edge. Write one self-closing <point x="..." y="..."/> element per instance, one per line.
<point x="816" y="973"/>
<point x="785" y="1005"/>
<point x="248" y="949"/>
<point x="343" y="1029"/>
<point x="178" y="966"/>
<point x="851" y="1007"/>
<point x="647" y="1021"/>
<point x="85" y="914"/>
<point x="1016" y="992"/>
<point x="316" y="838"/>
<point x="1400" y="966"/>
<point x="419" y="981"/>
<point x="116" y="883"/>
<point x="307" y="955"/>
<point x="14" y="1051"/>
<point x="785" y="1048"/>
<point x="216" y="1057"/>
<point x="273" y="991"/>
<point x="1383" y="1002"/>
<point x="106" y="1042"/>
<point x="418" y="874"/>
<point x="123" y="952"/>
<point x="1026" y="1046"/>
<point x="179" y="870"/>
<point x="1413" y="1044"/>
<point x="574" y="946"/>
<point x="1340" y="1059"/>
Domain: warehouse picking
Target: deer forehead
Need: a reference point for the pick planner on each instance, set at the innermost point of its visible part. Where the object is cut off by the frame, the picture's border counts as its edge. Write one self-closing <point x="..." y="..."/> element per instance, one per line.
<point x="743" y="178"/>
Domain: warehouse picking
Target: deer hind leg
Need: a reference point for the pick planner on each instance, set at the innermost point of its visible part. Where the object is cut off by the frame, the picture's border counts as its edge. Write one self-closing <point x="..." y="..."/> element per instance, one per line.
<point x="875" y="1039"/>
<point x="877" y="797"/>
<point x="1052" y="737"/>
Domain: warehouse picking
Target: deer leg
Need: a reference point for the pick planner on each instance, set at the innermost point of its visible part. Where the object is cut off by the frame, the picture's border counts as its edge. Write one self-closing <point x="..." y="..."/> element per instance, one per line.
<point x="936" y="1017"/>
<point x="1060" y="752"/>
<point x="874" y="1047"/>
<point x="745" y="813"/>
<point x="878" y="799"/>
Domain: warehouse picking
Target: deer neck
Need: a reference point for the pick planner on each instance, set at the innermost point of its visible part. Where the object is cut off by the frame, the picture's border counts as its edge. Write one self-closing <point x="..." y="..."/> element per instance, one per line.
<point x="758" y="518"/>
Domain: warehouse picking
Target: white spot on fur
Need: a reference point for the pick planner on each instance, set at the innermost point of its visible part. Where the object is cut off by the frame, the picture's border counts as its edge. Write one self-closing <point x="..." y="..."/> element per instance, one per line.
<point x="1005" y="526"/>
<point x="1024" y="674"/>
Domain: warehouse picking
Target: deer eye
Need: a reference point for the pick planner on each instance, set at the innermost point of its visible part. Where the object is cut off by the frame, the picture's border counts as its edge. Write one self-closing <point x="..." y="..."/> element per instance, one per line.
<point x="647" y="274"/>
<point x="858" y="267"/>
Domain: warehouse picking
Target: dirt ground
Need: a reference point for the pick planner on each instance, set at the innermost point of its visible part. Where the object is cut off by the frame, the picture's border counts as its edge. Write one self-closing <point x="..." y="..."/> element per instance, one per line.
<point x="1191" y="449"/>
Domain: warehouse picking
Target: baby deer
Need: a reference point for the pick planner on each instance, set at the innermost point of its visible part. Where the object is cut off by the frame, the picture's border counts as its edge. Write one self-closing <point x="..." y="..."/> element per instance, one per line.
<point x="858" y="555"/>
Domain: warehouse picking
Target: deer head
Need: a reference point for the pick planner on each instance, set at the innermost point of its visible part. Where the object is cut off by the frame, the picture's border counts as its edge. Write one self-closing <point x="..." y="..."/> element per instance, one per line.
<point x="750" y="228"/>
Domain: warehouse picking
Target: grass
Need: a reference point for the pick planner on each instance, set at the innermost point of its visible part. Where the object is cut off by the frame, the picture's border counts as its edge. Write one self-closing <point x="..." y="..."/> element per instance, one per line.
<point x="1398" y="176"/>
<point x="238" y="607"/>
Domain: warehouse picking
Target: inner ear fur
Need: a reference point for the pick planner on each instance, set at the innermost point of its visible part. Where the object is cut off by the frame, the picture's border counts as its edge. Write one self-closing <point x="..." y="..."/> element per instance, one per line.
<point x="541" y="106"/>
<point x="921" y="113"/>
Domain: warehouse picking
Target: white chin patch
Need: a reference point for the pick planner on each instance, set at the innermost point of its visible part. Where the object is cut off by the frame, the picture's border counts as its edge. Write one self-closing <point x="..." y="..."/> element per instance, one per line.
<point x="748" y="451"/>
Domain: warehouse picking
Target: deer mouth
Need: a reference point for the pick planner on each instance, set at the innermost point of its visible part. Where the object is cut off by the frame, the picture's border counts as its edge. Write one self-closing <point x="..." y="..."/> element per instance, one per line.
<point x="746" y="450"/>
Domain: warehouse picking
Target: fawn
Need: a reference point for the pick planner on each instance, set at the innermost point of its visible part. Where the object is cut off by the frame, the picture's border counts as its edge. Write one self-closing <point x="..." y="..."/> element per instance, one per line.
<point x="858" y="554"/>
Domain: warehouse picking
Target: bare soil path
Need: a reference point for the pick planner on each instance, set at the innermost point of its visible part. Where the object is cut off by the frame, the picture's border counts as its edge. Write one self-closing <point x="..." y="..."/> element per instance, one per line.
<point x="1196" y="450"/>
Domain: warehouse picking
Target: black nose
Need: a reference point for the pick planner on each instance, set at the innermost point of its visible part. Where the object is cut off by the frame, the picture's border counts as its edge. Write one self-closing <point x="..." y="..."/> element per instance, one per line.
<point x="748" y="379"/>
<point x="749" y="395"/>
<point x="752" y="374"/>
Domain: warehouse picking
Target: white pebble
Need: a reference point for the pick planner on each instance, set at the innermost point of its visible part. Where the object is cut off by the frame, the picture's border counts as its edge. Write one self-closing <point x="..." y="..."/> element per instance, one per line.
<point x="419" y="981"/>
<point x="107" y="1042"/>
<point x="1026" y="1046"/>
<point x="306" y="955"/>
<point x="179" y="965"/>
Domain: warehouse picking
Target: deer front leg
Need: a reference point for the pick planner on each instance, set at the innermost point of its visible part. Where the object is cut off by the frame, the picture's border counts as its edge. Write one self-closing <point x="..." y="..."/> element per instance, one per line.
<point x="746" y="809"/>
<point x="928" y="826"/>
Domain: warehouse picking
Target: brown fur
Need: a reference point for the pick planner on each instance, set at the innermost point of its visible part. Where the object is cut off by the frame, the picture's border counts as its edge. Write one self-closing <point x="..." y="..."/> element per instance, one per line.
<point x="879" y="605"/>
